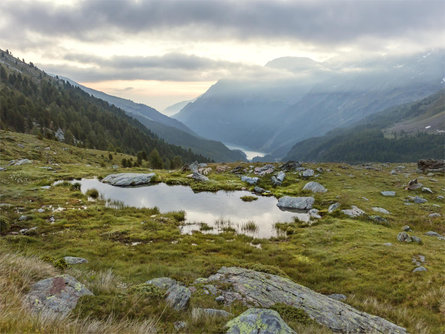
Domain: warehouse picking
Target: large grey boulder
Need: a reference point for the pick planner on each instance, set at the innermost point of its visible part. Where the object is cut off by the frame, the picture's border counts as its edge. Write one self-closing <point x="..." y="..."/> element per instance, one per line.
<point x="259" y="289"/>
<point x="258" y="321"/>
<point x="128" y="179"/>
<point x="56" y="295"/>
<point x="178" y="295"/>
<point x="295" y="203"/>
<point x="315" y="187"/>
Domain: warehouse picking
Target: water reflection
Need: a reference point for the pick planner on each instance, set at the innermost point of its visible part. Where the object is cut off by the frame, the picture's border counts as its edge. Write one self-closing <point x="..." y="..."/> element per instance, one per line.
<point x="220" y="210"/>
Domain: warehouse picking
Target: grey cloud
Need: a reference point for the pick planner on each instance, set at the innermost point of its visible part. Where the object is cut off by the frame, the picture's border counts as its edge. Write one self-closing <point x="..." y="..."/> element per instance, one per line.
<point x="329" y="22"/>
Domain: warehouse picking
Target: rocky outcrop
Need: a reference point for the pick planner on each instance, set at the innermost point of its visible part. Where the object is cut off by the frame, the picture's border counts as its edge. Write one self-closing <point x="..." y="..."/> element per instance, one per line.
<point x="315" y="187"/>
<point x="178" y="295"/>
<point x="290" y="166"/>
<point x="259" y="289"/>
<point x="258" y="321"/>
<point x="295" y="203"/>
<point x="431" y="165"/>
<point x="128" y="179"/>
<point x="56" y="295"/>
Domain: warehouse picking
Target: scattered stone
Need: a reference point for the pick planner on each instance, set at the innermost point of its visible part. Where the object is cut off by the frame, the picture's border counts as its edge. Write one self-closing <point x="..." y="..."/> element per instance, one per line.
<point x="128" y="179"/>
<point x="290" y="165"/>
<point x="419" y="269"/>
<point x="416" y="239"/>
<point x="433" y="234"/>
<point x="387" y="244"/>
<point x="353" y="212"/>
<point x="388" y="193"/>
<point x="199" y="177"/>
<point x="378" y="219"/>
<point x="440" y="197"/>
<point x="19" y="162"/>
<point x="45" y="187"/>
<point x="193" y="167"/>
<point x="307" y="173"/>
<point x="259" y="289"/>
<point x="222" y="169"/>
<point x="178" y="295"/>
<point x="179" y="325"/>
<point x="264" y="170"/>
<point x="249" y="180"/>
<point x="393" y="172"/>
<point x="333" y="207"/>
<point x="57" y="294"/>
<point x="314" y="213"/>
<point x="2" y="169"/>
<point x="427" y="190"/>
<point x="295" y="203"/>
<point x="434" y="215"/>
<point x="280" y="176"/>
<point x="275" y="181"/>
<point x="163" y="283"/>
<point x="220" y="299"/>
<point x="261" y="321"/>
<point x="381" y="210"/>
<point x="404" y="237"/>
<point x="320" y="170"/>
<point x="419" y="200"/>
<point x="337" y="296"/>
<point x="205" y="171"/>
<point x="75" y="260"/>
<point x="41" y="210"/>
<point x="259" y="190"/>
<point x="238" y="170"/>
<point x="413" y="185"/>
<point x="23" y="218"/>
<point x="315" y="187"/>
<point x="406" y="228"/>
<point x="210" y="312"/>
<point x="60" y="135"/>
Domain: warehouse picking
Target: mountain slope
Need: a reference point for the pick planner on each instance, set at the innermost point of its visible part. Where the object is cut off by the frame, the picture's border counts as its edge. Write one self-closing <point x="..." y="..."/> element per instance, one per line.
<point x="33" y="102"/>
<point x="169" y="129"/>
<point x="271" y="115"/>
<point x="393" y="135"/>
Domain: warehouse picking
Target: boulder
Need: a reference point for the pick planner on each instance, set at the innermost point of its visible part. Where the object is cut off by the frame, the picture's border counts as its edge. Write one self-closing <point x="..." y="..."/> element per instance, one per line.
<point x="427" y="190"/>
<point x="259" y="289"/>
<point x="315" y="187"/>
<point x="56" y="295"/>
<point x="290" y="165"/>
<point x="128" y="179"/>
<point x="178" y="295"/>
<point x="433" y="234"/>
<point x="163" y="283"/>
<point x="333" y="207"/>
<point x="199" y="177"/>
<point x="381" y="210"/>
<point x="403" y="237"/>
<point x="419" y="269"/>
<point x="275" y="181"/>
<point x="307" y="173"/>
<point x="431" y="165"/>
<point x="388" y="193"/>
<point x="75" y="260"/>
<point x="264" y="170"/>
<point x="280" y="176"/>
<point x="249" y="180"/>
<point x="295" y="203"/>
<point x="413" y="185"/>
<point x="258" y="321"/>
<point x="353" y="212"/>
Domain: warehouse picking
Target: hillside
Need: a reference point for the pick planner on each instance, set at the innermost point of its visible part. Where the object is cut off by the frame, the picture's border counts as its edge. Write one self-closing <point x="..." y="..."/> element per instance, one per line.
<point x="311" y="98"/>
<point x="169" y="129"/>
<point x="33" y="102"/>
<point x="404" y="133"/>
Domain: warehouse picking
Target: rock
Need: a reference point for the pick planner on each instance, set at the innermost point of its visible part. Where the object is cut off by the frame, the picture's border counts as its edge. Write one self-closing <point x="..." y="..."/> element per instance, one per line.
<point x="413" y="185"/>
<point x="295" y="203"/>
<point x="280" y="176"/>
<point x="163" y="283"/>
<point x="427" y="190"/>
<point x="2" y="169"/>
<point x="222" y="169"/>
<point x="403" y="237"/>
<point x="432" y="234"/>
<point x="314" y="213"/>
<point x="431" y="165"/>
<point x="220" y="299"/>
<point x="440" y="197"/>
<point x="353" y="212"/>
<point x="57" y="294"/>
<point x="307" y="173"/>
<point x="416" y="239"/>
<point x="259" y="289"/>
<point x="264" y="170"/>
<point x="381" y="210"/>
<point x="179" y="325"/>
<point x="387" y="244"/>
<point x="249" y="180"/>
<point x="315" y="187"/>
<point x="19" y="162"/>
<point x="290" y="165"/>
<point x="419" y="200"/>
<point x="238" y="170"/>
<point x="75" y="260"/>
<point x="337" y="296"/>
<point x="419" y="269"/>
<point x="259" y="190"/>
<point x="275" y="181"/>
<point x="434" y="215"/>
<point x="320" y="170"/>
<point x="23" y="218"/>
<point x="178" y="296"/>
<point x="378" y="219"/>
<point x="258" y="321"/>
<point x="210" y="312"/>
<point x="388" y="193"/>
<point x="60" y="135"/>
<point x="128" y="179"/>
<point x="205" y="171"/>
<point x="193" y="167"/>
<point x="393" y="172"/>
<point x="199" y="177"/>
<point x="333" y="207"/>
<point x="406" y="228"/>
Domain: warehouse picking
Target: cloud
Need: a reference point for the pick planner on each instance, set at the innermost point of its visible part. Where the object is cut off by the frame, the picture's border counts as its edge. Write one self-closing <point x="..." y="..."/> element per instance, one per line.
<point x="328" y="22"/>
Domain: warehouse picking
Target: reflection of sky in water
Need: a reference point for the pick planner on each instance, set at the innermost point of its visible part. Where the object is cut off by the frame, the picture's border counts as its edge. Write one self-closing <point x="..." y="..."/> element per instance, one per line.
<point x="200" y="207"/>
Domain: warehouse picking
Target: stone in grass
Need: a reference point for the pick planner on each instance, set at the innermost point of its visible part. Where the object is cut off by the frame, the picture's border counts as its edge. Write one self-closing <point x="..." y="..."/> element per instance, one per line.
<point x="57" y="295"/>
<point x="388" y="193"/>
<point x="257" y="320"/>
<point x="406" y="228"/>
<point x="427" y="190"/>
<point x="75" y="260"/>
<point x="419" y="269"/>
<point x="333" y="207"/>
<point x="249" y="180"/>
<point x="295" y="203"/>
<point x="210" y="312"/>
<point x="419" y="200"/>
<point x="353" y="212"/>
<point x="315" y="187"/>
<point x="432" y="234"/>
<point x="434" y="215"/>
<point x="381" y="210"/>
<point x="307" y="173"/>
<point x="178" y="295"/>
<point x="128" y="179"/>
<point x="404" y="237"/>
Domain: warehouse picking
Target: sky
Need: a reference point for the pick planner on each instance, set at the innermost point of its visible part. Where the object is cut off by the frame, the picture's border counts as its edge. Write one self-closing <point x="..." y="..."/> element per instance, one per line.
<point x="160" y="52"/>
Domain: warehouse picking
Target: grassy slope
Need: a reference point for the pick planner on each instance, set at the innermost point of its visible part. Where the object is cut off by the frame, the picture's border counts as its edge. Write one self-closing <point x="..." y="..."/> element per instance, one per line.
<point x="336" y="255"/>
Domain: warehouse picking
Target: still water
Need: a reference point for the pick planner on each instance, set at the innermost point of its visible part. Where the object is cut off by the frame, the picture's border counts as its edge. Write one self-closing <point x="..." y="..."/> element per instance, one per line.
<point x="218" y="210"/>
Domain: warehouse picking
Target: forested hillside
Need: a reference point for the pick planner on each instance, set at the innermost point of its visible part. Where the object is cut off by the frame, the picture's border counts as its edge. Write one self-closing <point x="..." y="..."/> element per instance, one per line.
<point x="381" y="137"/>
<point x="33" y="102"/>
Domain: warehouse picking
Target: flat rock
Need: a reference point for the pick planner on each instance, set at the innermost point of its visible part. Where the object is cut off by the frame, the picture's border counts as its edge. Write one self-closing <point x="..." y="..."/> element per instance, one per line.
<point x="258" y="321"/>
<point x="337" y="296"/>
<point x="333" y="207"/>
<point x="199" y="177"/>
<point x="388" y="193"/>
<point x="210" y="312"/>
<point x="427" y="190"/>
<point x="75" y="260"/>
<point x="56" y="294"/>
<point x="434" y="215"/>
<point x="418" y="200"/>
<point x="19" y="162"/>
<point x="128" y="179"/>
<point x="296" y="203"/>
<point x="258" y="289"/>
<point x="432" y="234"/>
<point x="315" y="187"/>
<point x="419" y="269"/>
<point x="307" y="173"/>
<point x="353" y="212"/>
<point x="249" y="180"/>
<point x="381" y="210"/>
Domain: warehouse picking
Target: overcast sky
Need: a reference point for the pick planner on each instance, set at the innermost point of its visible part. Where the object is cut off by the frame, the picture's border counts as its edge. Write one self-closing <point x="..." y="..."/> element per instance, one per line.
<point x="164" y="51"/>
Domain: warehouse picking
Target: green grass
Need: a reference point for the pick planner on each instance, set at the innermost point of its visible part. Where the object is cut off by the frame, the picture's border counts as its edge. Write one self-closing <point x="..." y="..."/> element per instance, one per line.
<point x="248" y="198"/>
<point x="127" y="246"/>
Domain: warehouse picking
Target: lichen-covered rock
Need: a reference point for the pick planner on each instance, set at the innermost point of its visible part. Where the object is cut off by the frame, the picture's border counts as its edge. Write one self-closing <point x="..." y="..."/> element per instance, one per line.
<point x="56" y="294"/>
<point x="75" y="260"/>
<point x="249" y="180"/>
<point x="210" y="312"/>
<point x="164" y="283"/>
<point x="128" y="179"/>
<point x="315" y="187"/>
<point x="295" y="203"/>
<point x="178" y="295"/>
<point x="264" y="290"/>
<point x="258" y="321"/>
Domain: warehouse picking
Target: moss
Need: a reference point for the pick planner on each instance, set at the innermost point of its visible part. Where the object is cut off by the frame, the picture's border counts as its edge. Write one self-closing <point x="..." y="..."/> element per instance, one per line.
<point x="248" y="198"/>
<point x="292" y="315"/>
<point x="5" y="225"/>
<point x="93" y="193"/>
<point x="57" y="263"/>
